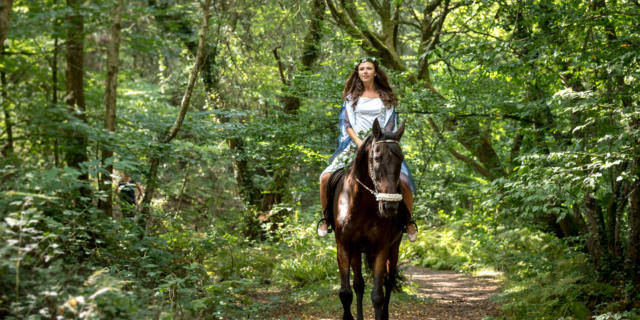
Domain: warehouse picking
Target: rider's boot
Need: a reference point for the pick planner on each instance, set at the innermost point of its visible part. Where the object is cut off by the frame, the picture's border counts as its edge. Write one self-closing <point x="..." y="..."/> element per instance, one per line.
<point x="411" y="228"/>
<point x="323" y="226"/>
<point x="412" y="231"/>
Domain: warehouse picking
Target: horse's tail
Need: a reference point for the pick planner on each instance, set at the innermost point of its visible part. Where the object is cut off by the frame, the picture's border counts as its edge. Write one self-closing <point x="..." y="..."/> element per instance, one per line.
<point x="399" y="280"/>
<point x="335" y="178"/>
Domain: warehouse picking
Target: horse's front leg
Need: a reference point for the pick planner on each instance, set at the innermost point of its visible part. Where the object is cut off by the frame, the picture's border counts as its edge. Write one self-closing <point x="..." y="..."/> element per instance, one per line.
<point x="358" y="282"/>
<point x="377" y="294"/>
<point x="346" y="295"/>
<point x="390" y="278"/>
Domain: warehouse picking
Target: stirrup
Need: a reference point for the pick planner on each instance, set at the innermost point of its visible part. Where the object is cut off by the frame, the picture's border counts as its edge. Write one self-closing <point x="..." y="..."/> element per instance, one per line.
<point x="318" y="227"/>
<point x="411" y="222"/>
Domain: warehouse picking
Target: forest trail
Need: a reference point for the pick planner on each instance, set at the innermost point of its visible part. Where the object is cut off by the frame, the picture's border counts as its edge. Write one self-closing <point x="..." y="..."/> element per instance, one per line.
<point x="439" y="295"/>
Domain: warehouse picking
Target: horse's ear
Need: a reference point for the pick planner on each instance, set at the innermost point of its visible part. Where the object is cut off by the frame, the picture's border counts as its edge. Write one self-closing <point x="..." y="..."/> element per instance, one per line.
<point x="400" y="131"/>
<point x="377" y="131"/>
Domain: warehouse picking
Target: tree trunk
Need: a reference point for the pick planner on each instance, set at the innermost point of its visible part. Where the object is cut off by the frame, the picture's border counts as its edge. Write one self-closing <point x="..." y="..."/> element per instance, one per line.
<point x="5" y="16"/>
<point x="311" y="46"/>
<point x="615" y="206"/>
<point x="184" y="106"/>
<point x="113" y="51"/>
<point x="310" y="54"/>
<point x="7" y="149"/>
<point x="633" y="242"/>
<point x="594" y="237"/>
<point x="54" y="85"/>
<point x="76" y="144"/>
<point x="246" y="187"/>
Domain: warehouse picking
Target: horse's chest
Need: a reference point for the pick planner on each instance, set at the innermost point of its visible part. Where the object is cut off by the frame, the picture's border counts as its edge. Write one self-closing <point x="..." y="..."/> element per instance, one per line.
<point x="367" y="230"/>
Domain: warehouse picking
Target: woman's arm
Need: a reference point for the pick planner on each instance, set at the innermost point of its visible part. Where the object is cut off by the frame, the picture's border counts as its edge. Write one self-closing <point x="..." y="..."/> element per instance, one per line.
<point x="354" y="136"/>
<point x="350" y="114"/>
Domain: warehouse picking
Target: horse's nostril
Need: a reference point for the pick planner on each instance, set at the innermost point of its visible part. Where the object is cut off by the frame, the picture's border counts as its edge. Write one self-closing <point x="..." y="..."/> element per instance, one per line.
<point x="389" y="206"/>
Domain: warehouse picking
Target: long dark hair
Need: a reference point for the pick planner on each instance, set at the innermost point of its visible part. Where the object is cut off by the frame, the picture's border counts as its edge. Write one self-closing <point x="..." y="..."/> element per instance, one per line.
<point x="354" y="87"/>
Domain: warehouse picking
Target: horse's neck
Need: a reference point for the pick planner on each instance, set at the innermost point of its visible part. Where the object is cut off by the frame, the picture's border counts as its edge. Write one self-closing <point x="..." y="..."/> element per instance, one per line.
<point x="361" y="172"/>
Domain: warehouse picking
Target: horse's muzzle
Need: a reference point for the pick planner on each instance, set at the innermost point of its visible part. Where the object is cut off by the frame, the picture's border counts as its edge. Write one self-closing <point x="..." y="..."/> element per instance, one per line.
<point x="388" y="209"/>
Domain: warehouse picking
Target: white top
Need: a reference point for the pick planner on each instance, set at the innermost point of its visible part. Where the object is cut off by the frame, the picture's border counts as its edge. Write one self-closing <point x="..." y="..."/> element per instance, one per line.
<point x="367" y="110"/>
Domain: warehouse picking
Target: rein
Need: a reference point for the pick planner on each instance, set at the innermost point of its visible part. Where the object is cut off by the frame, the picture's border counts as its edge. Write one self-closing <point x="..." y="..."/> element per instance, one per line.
<point x="388" y="197"/>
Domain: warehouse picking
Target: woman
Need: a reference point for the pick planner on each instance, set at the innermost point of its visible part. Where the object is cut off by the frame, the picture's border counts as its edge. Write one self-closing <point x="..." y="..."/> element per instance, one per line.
<point x="367" y="96"/>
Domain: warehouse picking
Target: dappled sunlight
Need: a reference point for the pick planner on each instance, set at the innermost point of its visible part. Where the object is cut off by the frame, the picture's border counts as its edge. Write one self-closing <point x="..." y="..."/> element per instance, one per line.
<point x="161" y="159"/>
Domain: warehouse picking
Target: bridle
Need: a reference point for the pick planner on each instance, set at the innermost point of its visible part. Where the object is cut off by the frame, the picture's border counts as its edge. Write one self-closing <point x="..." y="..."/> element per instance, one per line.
<point x="387" y="197"/>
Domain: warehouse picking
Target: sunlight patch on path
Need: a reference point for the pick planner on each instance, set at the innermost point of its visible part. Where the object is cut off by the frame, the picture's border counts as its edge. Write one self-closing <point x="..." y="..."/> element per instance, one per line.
<point x="440" y="295"/>
<point x="455" y="295"/>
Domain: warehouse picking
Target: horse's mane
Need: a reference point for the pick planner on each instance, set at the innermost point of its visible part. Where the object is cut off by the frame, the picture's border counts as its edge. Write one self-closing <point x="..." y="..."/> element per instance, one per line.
<point x="361" y="154"/>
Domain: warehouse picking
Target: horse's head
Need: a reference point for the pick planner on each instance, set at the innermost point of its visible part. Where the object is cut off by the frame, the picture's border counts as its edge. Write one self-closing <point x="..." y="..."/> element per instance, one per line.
<point x="385" y="162"/>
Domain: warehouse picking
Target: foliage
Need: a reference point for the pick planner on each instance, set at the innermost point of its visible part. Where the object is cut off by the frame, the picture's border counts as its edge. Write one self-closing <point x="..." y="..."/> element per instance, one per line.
<point x="523" y="130"/>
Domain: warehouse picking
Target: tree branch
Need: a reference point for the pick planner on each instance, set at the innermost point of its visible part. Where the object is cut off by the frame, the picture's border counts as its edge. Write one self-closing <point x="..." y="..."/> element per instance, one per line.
<point x="184" y="105"/>
<point x="438" y="27"/>
<point x="349" y="20"/>
<point x="485" y="115"/>
<point x="432" y="6"/>
<point x="342" y="19"/>
<point x="375" y="5"/>
<point x="282" y="77"/>
<point x="455" y="153"/>
<point x="410" y="23"/>
<point x="186" y="98"/>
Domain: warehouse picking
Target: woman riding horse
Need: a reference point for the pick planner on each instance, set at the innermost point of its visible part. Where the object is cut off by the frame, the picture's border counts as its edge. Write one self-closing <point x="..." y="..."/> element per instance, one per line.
<point x="367" y="96"/>
<point x="367" y="218"/>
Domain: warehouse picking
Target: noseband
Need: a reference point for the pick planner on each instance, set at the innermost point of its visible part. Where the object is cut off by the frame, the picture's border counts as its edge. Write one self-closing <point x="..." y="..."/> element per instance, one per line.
<point x="387" y="197"/>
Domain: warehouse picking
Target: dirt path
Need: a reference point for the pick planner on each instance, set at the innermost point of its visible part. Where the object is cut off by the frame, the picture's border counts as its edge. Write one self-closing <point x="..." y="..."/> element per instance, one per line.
<point x="439" y="295"/>
<point x="453" y="295"/>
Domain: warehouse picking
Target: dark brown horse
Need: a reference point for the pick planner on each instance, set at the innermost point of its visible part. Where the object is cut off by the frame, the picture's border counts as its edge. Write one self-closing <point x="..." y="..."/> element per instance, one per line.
<point x="365" y="203"/>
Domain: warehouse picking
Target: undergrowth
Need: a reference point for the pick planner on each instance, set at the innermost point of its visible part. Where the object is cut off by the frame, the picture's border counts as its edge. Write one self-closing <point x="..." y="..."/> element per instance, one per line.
<point x="63" y="258"/>
<point x="542" y="276"/>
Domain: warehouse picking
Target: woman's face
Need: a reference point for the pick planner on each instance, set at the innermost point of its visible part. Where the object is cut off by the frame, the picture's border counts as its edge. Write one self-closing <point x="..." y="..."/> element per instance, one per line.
<point x="366" y="72"/>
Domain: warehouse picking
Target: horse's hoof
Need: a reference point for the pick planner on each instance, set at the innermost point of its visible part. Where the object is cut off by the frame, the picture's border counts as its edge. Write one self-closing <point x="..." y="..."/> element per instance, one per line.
<point x="412" y="237"/>
<point x="322" y="232"/>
